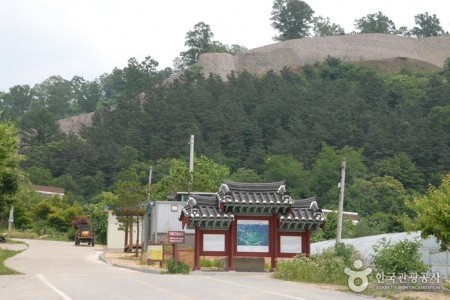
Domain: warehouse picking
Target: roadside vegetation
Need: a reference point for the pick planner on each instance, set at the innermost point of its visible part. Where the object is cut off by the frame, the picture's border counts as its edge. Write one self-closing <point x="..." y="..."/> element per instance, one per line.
<point x="4" y="255"/>
<point x="326" y="267"/>
<point x="177" y="267"/>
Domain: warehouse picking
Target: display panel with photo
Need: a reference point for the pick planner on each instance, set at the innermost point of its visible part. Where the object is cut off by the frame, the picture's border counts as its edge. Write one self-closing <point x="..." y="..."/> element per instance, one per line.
<point x="253" y="236"/>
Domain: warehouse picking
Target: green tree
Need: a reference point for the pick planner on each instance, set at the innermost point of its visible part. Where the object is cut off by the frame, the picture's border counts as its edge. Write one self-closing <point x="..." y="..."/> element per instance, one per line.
<point x="16" y="102"/>
<point x="375" y="23"/>
<point x="87" y="94"/>
<point x="97" y="216"/>
<point x="427" y="25"/>
<point x="326" y="172"/>
<point x="292" y="18"/>
<point x="403" y="169"/>
<point x="55" y="94"/>
<point x="131" y="195"/>
<point x="381" y="199"/>
<point x="206" y="178"/>
<point x="330" y="229"/>
<point x="245" y="175"/>
<point x="10" y="173"/>
<point x="432" y="213"/>
<point x="199" y="40"/>
<point x="39" y="127"/>
<point x="323" y="27"/>
<point x="285" y="167"/>
<point x="40" y="176"/>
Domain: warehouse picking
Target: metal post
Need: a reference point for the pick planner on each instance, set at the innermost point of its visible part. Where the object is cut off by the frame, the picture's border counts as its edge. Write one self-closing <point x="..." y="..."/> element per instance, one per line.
<point x="341" y="201"/>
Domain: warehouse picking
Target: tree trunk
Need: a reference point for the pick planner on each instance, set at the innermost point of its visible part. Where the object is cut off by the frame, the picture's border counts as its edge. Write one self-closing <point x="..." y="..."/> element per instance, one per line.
<point x="130" y="244"/>
<point x="125" y="242"/>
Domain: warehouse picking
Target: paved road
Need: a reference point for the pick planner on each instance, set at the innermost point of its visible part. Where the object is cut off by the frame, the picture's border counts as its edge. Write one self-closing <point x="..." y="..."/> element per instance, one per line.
<point x="59" y="270"/>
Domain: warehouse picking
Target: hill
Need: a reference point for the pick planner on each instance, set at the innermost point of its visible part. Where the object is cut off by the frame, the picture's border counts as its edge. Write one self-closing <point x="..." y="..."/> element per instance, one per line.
<point x="382" y="52"/>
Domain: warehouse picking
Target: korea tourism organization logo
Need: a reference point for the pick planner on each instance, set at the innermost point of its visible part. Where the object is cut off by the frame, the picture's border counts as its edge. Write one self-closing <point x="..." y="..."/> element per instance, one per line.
<point x="358" y="280"/>
<point x="360" y="277"/>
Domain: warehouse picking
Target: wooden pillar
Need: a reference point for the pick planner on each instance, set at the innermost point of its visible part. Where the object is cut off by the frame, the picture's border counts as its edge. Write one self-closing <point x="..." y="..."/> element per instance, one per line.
<point x="231" y="245"/>
<point x="308" y="241"/>
<point x="274" y="241"/>
<point x="197" y="248"/>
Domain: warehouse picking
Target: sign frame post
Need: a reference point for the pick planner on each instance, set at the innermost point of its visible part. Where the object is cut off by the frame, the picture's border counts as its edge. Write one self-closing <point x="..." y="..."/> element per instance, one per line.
<point x="174" y="238"/>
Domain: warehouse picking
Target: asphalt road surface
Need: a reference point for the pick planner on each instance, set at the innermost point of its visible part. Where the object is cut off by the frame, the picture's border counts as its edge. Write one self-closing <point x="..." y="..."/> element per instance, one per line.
<point x="60" y="270"/>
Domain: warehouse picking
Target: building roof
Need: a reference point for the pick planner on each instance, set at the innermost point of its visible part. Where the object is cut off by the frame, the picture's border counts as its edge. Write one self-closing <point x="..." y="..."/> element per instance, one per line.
<point x="48" y="190"/>
<point x="251" y="199"/>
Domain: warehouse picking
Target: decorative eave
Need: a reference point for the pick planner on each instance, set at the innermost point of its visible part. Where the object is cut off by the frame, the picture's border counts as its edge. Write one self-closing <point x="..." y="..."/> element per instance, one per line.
<point x="254" y="198"/>
<point x="302" y="215"/>
<point x="205" y="212"/>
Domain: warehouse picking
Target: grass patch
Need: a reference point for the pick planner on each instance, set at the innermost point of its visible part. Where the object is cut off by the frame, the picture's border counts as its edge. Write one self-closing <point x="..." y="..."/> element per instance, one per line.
<point x="4" y="255"/>
<point x="210" y="263"/>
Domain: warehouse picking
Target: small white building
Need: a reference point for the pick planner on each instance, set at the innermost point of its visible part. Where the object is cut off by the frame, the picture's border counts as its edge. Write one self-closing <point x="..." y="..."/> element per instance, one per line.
<point x="164" y="218"/>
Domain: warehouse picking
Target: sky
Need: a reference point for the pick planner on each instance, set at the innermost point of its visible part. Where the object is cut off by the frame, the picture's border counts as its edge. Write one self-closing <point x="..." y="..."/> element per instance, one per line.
<point x="88" y="38"/>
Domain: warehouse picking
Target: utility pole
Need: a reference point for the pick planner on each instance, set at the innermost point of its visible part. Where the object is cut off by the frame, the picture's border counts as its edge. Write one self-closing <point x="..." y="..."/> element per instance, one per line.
<point x="147" y="216"/>
<point x="191" y="162"/>
<point x="11" y="219"/>
<point x="341" y="201"/>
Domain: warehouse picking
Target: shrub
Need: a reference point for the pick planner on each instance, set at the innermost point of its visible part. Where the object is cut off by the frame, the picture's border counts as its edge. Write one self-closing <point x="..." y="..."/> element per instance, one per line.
<point x="400" y="257"/>
<point x="346" y="252"/>
<point x="177" y="267"/>
<point x="325" y="267"/>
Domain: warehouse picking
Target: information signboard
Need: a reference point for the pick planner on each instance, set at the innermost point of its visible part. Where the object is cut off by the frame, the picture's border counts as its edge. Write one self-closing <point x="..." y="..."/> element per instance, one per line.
<point x="176" y="237"/>
<point x="155" y="252"/>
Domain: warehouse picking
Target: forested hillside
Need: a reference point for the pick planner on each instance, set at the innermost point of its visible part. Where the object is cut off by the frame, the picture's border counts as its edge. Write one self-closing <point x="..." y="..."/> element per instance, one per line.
<point x="393" y="128"/>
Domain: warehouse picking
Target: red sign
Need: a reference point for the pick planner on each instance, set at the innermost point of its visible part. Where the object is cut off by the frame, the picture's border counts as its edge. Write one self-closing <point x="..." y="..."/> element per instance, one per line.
<point x="176" y="237"/>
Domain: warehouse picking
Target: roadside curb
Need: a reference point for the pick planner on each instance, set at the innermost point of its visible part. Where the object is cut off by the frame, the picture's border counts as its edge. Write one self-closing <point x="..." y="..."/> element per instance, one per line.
<point x="103" y="258"/>
<point x="14" y="247"/>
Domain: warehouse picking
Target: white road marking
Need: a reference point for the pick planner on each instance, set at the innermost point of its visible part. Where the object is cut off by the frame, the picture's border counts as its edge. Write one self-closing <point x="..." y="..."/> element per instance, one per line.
<point x="54" y="288"/>
<point x="256" y="289"/>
